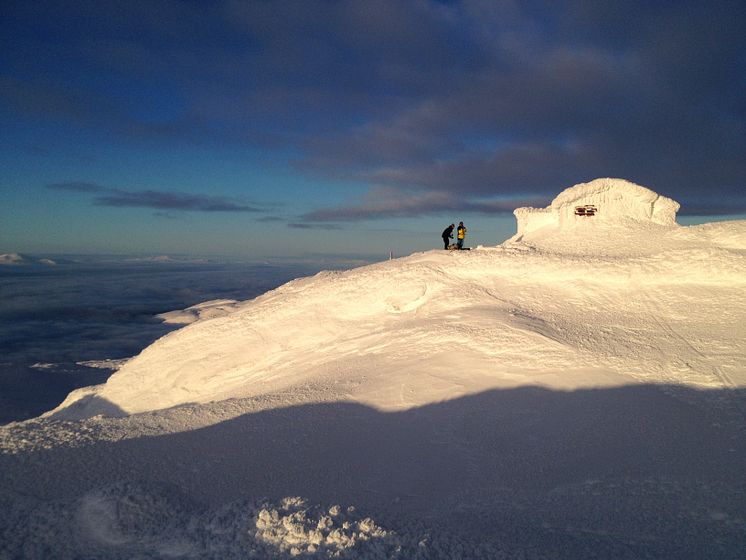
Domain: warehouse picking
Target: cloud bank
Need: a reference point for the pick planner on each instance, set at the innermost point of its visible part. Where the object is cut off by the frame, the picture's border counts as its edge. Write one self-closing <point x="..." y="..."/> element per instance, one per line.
<point x="446" y="103"/>
<point x="159" y="200"/>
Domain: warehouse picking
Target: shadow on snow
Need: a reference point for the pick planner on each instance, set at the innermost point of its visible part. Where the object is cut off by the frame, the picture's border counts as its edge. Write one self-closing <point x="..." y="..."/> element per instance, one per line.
<point x="636" y="471"/>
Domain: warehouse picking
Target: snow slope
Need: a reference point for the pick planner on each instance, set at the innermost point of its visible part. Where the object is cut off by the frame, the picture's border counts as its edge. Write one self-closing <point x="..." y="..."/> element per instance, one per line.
<point x="612" y="290"/>
<point x="577" y="391"/>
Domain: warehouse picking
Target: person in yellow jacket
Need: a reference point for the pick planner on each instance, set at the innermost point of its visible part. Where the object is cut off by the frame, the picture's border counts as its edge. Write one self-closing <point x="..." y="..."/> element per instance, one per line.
<point x="460" y="235"/>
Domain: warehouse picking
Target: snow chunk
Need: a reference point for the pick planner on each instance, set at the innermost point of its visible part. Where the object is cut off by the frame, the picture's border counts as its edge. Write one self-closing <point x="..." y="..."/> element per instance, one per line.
<point x="616" y="202"/>
<point x="295" y="529"/>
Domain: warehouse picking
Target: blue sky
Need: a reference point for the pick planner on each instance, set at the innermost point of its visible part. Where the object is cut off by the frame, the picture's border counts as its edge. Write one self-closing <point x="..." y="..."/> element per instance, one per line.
<point x="254" y="129"/>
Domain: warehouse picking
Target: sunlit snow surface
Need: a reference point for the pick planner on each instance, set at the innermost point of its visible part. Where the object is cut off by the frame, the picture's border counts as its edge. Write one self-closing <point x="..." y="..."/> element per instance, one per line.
<point x="578" y="391"/>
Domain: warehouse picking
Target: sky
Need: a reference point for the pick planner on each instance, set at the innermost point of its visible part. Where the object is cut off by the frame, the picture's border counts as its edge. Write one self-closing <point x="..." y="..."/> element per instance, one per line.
<point x="299" y="128"/>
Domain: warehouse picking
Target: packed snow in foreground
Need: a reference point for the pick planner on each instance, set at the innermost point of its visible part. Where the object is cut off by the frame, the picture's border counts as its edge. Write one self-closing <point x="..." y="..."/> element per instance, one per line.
<point x="577" y="391"/>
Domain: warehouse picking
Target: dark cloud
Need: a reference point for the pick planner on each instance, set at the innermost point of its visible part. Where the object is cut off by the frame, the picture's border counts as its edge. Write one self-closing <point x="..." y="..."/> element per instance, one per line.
<point x="170" y="201"/>
<point x="268" y="219"/>
<point x="159" y="200"/>
<point x="307" y="225"/>
<point x="477" y="98"/>
<point x="387" y="202"/>
<point x="166" y="215"/>
<point x="661" y="107"/>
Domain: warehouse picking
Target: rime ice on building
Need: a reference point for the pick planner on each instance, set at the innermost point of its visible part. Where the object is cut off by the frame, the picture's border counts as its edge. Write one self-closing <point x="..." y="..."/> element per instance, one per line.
<point x="607" y="201"/>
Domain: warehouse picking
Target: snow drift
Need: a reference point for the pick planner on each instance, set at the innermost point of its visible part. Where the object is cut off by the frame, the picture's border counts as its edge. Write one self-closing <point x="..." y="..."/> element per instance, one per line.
<point x="438" y="325"/>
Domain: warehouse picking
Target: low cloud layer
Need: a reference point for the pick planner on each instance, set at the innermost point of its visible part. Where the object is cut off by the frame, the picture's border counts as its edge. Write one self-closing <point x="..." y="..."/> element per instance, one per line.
<point x="78" y="186"/>
<point x="159" y="200"/>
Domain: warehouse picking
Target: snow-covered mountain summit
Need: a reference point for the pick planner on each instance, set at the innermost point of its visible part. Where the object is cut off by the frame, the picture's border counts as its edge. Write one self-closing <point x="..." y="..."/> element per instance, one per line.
<point x="576" y="392"/>
<point x="620" y="296"/>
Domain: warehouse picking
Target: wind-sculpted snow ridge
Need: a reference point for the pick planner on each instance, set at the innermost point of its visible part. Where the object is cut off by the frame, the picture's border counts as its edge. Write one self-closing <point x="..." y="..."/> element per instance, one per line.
<point x="567" y="294"/>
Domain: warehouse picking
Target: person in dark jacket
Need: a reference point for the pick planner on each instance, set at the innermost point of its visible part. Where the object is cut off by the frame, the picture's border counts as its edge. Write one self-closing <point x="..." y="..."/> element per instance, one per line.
<point x="447" y="234"/>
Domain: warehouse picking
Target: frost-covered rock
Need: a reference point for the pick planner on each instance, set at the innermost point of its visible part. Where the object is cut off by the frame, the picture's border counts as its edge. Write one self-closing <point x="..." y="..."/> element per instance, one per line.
<point x="617" y="202"/>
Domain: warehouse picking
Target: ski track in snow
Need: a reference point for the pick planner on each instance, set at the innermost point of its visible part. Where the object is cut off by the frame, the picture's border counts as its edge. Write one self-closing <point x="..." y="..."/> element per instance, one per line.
<point x="577" y="392"/>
